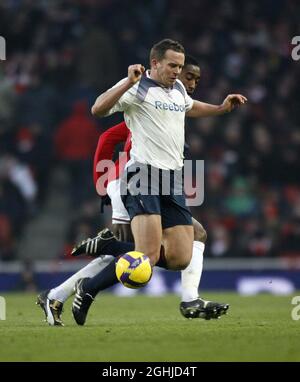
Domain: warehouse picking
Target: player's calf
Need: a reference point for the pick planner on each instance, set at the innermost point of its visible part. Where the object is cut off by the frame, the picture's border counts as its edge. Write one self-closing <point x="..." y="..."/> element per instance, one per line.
<point x="178" y="244"/>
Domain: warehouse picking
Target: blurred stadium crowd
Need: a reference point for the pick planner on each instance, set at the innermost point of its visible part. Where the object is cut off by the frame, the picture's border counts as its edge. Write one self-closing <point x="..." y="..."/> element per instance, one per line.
<point x="62" y="54"/>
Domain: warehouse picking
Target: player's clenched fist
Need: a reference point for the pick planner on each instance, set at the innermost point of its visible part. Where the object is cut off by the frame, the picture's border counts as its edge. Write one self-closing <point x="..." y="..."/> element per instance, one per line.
<point x="233" y="100"/>
<point x="135" y="72"/>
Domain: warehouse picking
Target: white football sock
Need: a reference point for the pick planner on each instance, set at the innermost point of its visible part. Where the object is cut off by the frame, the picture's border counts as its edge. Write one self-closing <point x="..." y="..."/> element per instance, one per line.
<point x="190" y="276"/>
<point x="63" y="291"/>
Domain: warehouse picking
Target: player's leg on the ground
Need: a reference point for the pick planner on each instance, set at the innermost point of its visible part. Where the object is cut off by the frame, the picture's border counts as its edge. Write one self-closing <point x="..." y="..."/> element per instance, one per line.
<point x="63" y="291"/>
<point x="52" y="301"/>
<point x="107" y="277"/>
<point x="87" y="288"/>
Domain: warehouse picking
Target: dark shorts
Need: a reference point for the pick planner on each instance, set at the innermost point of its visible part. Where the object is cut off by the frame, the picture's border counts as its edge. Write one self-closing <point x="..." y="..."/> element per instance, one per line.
<point x="146" y="190"/>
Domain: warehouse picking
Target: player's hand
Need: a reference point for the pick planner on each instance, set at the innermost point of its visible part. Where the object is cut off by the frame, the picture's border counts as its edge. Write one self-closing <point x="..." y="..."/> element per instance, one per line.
<point x="233" y="100"/>
<point x="135" y="73"/>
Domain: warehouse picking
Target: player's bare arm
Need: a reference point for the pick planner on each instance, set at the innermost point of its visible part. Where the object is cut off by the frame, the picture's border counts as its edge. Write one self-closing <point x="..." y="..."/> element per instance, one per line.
<point x="202" y="109"/>
<point x="108" y="99"/>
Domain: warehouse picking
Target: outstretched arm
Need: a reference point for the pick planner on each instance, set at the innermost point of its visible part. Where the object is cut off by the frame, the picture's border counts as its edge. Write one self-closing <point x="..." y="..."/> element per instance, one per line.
<point x="202" y="109"/>
<point x="107" y="100"/>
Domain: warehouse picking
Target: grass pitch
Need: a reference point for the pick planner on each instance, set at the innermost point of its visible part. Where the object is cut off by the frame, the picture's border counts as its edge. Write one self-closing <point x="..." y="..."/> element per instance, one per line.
<point x="144" y="328"/>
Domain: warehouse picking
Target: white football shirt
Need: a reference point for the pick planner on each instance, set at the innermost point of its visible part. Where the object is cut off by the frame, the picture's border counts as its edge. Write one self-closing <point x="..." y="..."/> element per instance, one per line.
<point x="155" y="116"/>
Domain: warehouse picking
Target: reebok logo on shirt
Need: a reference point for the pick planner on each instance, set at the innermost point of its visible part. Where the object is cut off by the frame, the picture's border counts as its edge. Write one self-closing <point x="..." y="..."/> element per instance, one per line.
<point x="169" y="106"/>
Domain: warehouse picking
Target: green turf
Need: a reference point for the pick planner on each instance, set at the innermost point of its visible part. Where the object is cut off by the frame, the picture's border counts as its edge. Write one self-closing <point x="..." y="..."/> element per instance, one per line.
<point x="143" y="328"/>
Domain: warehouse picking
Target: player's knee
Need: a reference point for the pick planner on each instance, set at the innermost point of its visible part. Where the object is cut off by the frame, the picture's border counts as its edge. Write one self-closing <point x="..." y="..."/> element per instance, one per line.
<point x="199" y="232"/>
<point x="184" y="263"/>
<point x="179" y="264"/>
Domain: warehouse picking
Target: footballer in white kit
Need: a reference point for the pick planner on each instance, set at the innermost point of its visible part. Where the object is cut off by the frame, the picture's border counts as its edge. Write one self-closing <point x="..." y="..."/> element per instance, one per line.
<point x="155" y="118"/>
<point x="154" y="107"/>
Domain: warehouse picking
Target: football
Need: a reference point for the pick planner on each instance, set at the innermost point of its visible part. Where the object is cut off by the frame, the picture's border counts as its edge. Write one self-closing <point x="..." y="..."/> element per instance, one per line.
<point x="134" y="270"/>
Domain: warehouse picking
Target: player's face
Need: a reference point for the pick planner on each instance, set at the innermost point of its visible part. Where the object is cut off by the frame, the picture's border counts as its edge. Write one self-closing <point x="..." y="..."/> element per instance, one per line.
<point x="168" y="69"/>
<point x="190" y="77"/>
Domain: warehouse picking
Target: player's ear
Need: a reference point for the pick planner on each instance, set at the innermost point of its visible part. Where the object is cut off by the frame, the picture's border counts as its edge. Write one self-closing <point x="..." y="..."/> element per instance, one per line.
<point x="154" y="63"/>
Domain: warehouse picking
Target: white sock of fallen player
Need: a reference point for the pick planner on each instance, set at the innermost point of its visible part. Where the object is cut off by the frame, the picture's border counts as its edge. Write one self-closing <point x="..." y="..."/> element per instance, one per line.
<point x="63" y="291"/>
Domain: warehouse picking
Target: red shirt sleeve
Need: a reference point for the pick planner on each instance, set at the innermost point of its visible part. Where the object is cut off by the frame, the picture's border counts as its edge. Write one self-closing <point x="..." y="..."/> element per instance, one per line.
<point x="106" y="145"/>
